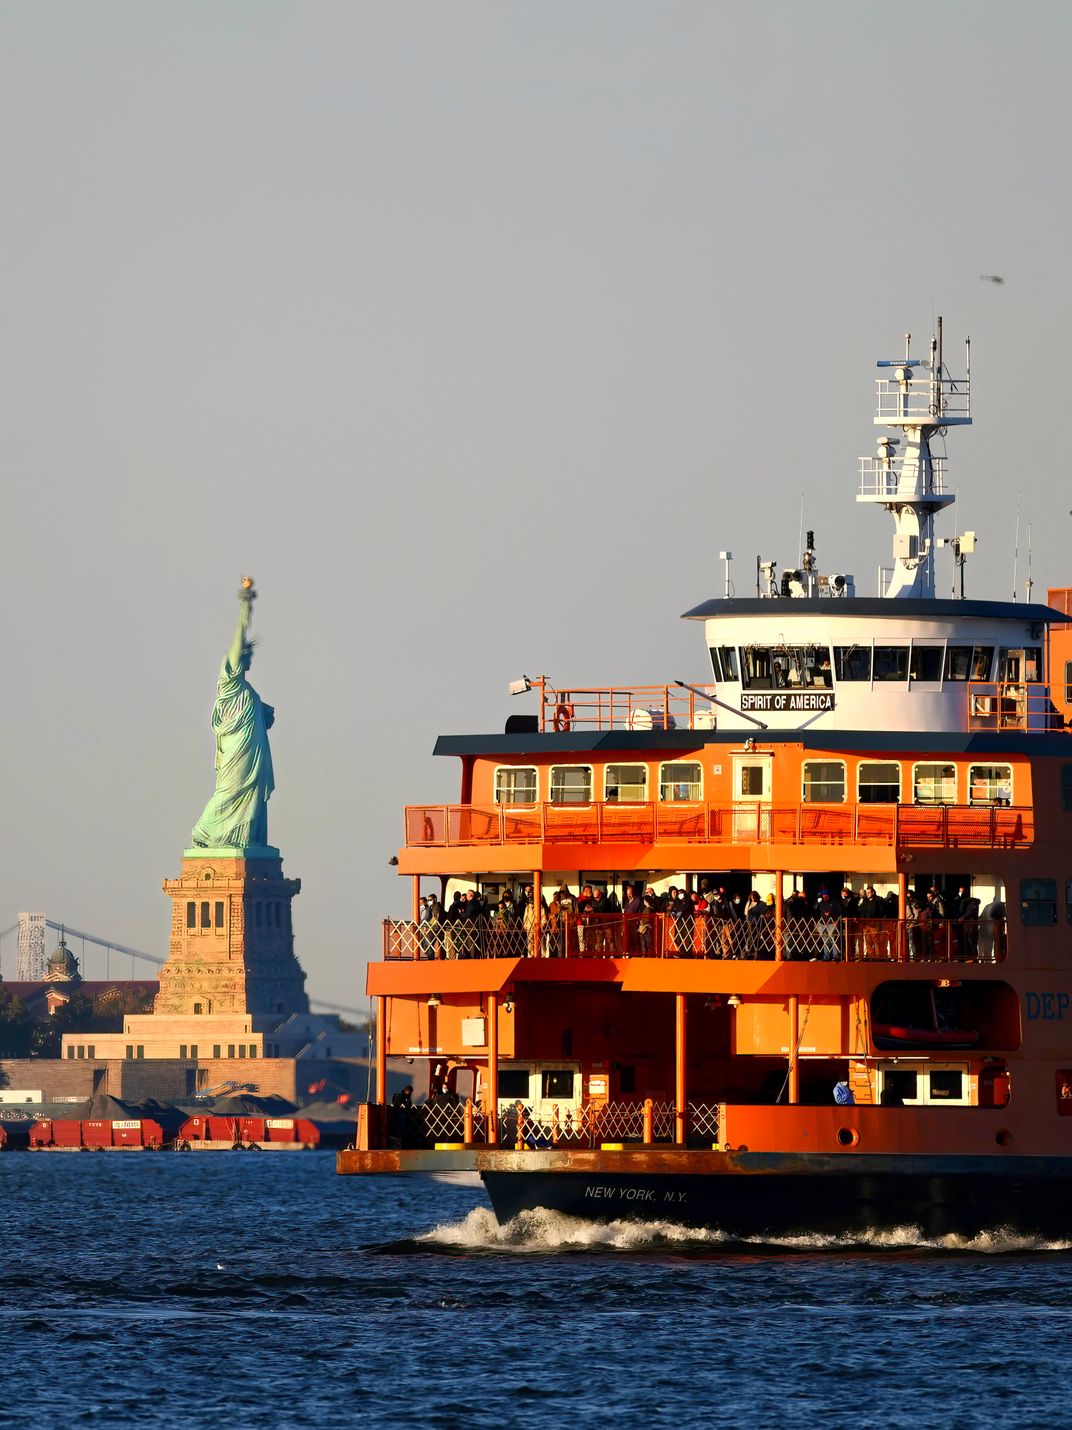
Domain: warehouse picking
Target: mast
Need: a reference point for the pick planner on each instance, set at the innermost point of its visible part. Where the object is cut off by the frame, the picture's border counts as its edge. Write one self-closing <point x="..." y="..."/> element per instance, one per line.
<point x="918" y="397"/>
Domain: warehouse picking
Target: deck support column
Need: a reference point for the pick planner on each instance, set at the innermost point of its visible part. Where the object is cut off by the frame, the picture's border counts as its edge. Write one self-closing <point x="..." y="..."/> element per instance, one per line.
<point x="537" y="913"/>
<point x="794" y="1038"/>
<point x="415" y="902"/>
<point x="493" y="1068"/>
<point x="680" y="1091"/>
<point x="381" y="1049"/>
<point x="779" y="914"/>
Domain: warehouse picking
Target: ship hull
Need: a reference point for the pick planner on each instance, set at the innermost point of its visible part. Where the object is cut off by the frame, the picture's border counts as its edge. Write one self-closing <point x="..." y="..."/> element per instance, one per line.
<point x="964" y="1197"/>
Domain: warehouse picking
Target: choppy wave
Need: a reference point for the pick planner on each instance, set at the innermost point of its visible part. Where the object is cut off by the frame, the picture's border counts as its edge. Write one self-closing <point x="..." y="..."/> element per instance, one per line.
<point x="542" y="1231"/>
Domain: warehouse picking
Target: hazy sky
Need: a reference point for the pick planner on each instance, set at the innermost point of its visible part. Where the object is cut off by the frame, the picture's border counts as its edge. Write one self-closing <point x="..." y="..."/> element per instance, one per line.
<point x="472" y="331"/>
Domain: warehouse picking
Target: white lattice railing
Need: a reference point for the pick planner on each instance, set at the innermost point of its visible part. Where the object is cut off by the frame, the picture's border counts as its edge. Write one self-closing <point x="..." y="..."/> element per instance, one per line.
<point x="590" y="1125"/>
<point x="706" y="936"/>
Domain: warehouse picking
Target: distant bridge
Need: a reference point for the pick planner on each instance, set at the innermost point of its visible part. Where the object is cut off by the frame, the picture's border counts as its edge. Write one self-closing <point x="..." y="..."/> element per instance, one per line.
<point x="109" y="946"/>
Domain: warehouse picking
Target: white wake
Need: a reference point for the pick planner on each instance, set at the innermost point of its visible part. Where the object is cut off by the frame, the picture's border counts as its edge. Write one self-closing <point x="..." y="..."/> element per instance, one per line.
<point x="541" y="1230"/>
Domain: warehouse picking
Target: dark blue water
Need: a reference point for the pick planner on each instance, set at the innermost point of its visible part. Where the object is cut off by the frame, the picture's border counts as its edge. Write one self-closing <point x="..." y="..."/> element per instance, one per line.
<point x="239" y="1290"/>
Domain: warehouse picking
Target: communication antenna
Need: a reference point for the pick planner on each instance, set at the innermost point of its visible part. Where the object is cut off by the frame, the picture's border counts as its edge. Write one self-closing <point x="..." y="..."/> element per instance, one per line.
<point x="1016" y="545"/>
<point x="800" y="528"/>
<point x="1030" y="583"/>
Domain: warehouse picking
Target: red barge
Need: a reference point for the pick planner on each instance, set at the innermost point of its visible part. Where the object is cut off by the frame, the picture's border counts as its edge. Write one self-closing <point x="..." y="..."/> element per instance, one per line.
<point x="886" y="782"/>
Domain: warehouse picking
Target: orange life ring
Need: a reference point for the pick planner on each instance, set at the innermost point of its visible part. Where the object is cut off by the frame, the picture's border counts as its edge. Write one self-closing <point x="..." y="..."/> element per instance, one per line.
<point x="563" y="716"/>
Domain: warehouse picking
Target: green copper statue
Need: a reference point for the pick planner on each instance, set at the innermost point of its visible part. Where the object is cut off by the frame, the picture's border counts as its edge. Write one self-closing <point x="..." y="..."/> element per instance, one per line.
<point x="236" y="817"/>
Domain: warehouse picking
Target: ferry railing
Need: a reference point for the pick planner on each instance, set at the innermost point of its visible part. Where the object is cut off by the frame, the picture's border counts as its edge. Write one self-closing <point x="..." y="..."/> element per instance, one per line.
<point x="918" y="399"/>
<point x="878" y="479"/>
<point x="705" y="936"/>
<point x="1012" y="705"/>
<point x="944" y="826"/>
<point x="643" y="1122"/>
<point x="627" y="707"/>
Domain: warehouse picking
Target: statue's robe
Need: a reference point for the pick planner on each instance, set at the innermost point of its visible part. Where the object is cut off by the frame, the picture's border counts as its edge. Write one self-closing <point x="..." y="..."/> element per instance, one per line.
<point x="237" y="814"/>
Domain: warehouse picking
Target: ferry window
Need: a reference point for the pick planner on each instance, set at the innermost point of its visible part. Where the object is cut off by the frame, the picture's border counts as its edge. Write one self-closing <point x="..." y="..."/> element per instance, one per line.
<point x="130" y="1050"/>
<point x="571" y="784"/>
<point x="1066" y="786"/>
<point x="1021" y="665"/>
<point x="191" y="915"/>
<point x="899" y="1087"/>
<point x="762" y="671"/>
<point x="182" y="1050"/>
<point x="727" y="655"/>
<point x="824" y="782"/>
<point x="878" y="782"/>
<point x="218" y="914"/>
<point x="785" y="667"/>
<point x="716" y="664"/>
<point x="990" y="784"/>
<point x="968" y="662"/>
<point x="926" y="663"/>
<point x="513" y="1083"/>
<point x="193" y="1050"/>
<point x="680" y="780"/>
<point x="625" y="782"/>
<point x="1038" y="902"/>
<point x="852" y="662"/>
<point x="204" y="915"/>
<point x="557" y="1082"/>
<point x="1068" y="682"/>
<point x="891" y="662"/>
<point x="516" y="785"/>
<point x="946" y="1086"/>
<point x="934" y="784"/>
<point x="215" y="1050"/>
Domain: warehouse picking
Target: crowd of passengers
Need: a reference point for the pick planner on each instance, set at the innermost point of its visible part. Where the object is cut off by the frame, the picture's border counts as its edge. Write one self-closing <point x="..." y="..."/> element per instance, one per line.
<point x="706" y="922"/>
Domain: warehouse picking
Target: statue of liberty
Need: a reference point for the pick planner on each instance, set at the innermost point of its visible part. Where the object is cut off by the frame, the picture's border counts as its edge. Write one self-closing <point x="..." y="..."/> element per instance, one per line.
<point x="236" y="817"/>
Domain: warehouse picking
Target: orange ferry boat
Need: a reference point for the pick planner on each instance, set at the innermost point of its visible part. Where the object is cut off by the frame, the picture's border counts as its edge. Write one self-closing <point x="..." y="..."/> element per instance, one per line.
<point x="896" y="1052"/>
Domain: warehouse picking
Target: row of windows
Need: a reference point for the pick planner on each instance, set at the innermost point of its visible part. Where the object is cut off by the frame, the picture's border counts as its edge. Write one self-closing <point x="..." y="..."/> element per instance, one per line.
<point x="785" y="666"/>
<point x="82" y="1052"/>
<point x="879" y="782"/>
<point x="572" y="784"/>
<point x="210" y="915"/>
<point x="823" y="782"/>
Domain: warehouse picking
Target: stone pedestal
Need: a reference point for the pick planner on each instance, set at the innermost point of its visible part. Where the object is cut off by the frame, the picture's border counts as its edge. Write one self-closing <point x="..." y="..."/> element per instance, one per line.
<point x="232" y="940"/>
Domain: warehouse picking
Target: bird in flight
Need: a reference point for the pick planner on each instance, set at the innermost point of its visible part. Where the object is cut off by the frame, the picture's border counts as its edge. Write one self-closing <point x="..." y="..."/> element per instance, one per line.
<point x="991" y="278"/>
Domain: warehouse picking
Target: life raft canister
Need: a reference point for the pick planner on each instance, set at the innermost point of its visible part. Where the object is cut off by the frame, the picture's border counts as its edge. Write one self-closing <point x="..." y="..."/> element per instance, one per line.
<point x="563" y="716"/>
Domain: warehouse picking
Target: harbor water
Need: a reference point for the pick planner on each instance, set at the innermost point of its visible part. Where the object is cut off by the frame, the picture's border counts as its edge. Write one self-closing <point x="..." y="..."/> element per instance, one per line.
<point x="243" y="1290"/>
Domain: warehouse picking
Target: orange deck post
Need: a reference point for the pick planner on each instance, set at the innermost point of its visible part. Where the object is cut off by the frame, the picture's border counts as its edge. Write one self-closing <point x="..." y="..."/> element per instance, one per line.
<point x="493" y="1067"/>
<point x="649" y="1122"/>
<point x="381" y="1050"/>
<point x="779" y="913"/>
<point x="467" y="1122"/>
<point x="415" y="902"/>
<point x="794" y="1038"/>
<point x="680" y="1093"/>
